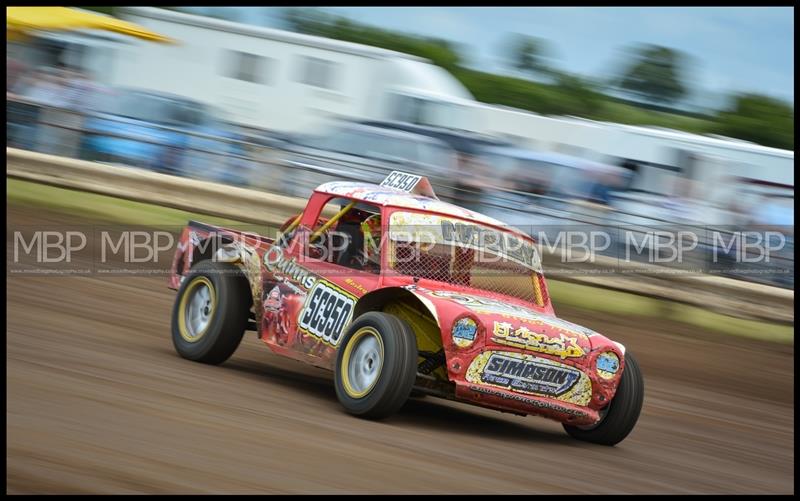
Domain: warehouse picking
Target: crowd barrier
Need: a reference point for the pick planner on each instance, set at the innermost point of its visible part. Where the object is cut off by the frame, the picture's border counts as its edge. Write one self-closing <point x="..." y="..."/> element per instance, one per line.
<point x="728" y="296"/>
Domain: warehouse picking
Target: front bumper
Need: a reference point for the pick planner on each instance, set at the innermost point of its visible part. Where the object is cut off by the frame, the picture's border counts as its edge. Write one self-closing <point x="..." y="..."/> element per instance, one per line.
<point x="497" y="398"/>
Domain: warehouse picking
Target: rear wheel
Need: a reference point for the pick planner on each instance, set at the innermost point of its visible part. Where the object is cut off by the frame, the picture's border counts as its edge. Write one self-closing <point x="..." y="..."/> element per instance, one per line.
<point x="620" y="416"/>
<point x="211" y="312"/>
<point x="376" y="365"/>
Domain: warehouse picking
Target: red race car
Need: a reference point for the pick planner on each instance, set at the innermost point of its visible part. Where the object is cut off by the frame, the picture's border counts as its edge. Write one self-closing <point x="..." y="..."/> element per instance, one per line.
<point x="402" y="294"/>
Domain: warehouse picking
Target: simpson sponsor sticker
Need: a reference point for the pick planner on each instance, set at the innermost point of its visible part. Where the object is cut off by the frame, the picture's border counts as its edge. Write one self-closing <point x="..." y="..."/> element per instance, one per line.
<point x="522" y="337"/>
<point x="528" y="374"/>
<point x="327" y="310"/>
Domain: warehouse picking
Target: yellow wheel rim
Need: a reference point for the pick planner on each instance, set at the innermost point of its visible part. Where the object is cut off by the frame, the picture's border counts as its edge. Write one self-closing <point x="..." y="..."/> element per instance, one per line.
<point x="362" y="362"/>
<point x="196" y="309"/>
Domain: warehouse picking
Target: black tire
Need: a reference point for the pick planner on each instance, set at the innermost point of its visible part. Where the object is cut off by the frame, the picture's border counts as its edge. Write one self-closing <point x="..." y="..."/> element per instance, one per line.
<point x="397" y="371"/>
<point x="228" y="317"/>
<point x="623" y="411"/>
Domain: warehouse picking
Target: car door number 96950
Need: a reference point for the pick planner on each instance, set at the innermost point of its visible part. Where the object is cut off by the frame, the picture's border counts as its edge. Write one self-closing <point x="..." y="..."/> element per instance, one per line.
<point x="326" y="312"/>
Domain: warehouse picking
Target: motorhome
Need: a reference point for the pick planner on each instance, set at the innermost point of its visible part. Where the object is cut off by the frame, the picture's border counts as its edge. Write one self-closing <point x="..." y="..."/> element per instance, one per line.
<point x="279" y="80"/>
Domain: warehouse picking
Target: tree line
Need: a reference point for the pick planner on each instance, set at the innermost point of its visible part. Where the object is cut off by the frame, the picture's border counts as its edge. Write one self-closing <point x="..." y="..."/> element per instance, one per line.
<point x="654" y="80"/>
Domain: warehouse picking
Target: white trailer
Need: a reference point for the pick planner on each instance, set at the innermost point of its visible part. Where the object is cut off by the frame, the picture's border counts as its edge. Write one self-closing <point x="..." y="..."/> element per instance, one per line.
<point x="279" y="80"/>
<point x="663" y="156"/>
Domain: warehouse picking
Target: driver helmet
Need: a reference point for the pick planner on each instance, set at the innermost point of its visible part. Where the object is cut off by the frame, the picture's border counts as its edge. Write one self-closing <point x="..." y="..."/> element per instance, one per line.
<point x="371" y="228"/>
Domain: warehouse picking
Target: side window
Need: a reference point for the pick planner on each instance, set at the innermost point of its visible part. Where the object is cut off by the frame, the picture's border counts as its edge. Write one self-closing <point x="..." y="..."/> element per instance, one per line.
<point x="247" y="67"/>
<point x="411" y="109"/>
<point x="350" y="237"/>
<point x="317" y="72"/>
<point x="569" y="149"/>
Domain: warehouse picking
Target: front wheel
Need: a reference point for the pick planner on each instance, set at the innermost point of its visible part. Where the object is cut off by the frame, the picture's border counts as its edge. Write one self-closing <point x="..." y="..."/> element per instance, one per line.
<point x="620" y="416"/>
<point x="376" y="365"/>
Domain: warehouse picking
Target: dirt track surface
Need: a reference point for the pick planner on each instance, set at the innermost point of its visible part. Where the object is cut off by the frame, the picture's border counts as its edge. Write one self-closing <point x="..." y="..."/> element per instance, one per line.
<point x="99" y="402"/>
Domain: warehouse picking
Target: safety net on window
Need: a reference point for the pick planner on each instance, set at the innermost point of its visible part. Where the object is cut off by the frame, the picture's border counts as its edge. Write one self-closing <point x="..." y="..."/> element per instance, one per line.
<point x="465" y="253"/>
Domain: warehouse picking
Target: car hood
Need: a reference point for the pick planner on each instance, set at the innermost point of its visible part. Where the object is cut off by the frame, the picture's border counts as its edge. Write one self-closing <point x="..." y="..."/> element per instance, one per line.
<point x="508" y="324"/>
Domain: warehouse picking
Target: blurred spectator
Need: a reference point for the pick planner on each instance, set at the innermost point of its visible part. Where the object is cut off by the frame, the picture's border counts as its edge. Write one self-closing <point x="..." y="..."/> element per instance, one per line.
<point x="770" y="212"/>
<point x="601" y="180"/>
<point x="44" y="87"/>
<point x="79" y="89"/>
<point x="632" y="169"/>
<point x="682" y="207"/>
<point x="774" y="214"/>
<point x="52" y="88"/>
<point x="15" y="70"/>
<point x="473" y="181"/>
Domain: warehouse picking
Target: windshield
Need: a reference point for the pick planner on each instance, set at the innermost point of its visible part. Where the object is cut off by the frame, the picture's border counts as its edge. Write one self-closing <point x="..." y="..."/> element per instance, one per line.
<point x="465" y="253"/>
<point x="430" y="111"/>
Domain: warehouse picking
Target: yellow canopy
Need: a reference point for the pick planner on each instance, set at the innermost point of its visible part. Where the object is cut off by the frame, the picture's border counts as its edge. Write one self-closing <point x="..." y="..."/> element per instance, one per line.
<point x="20" y="20"/>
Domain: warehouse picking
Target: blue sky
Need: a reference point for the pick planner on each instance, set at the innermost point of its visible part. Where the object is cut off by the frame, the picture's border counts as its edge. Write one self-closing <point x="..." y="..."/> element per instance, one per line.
<point x="731" y="48"/>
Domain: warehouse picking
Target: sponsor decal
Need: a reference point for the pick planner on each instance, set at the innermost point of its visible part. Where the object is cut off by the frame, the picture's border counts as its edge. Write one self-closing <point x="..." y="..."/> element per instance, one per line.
<point x="502" y="243"/>
<point x="522" y="337"/>
<point x="277" y="315"/>
<point x="401" y="181"/>
<point x="193" y="239"/>
<point x="276" y="262"/>
<point x="297" y="290"/>
<point x="327" y="310"/>
<point x="357" y="286"/>
<point x="529" y="374"/>
<point x="529" y="401"/>
<point x="274" y="301"/>
<point x="568" y="327"/>
<point x="607" y="365"/>
<point x="438" y="229"/>
<point x="464" y="332"/>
